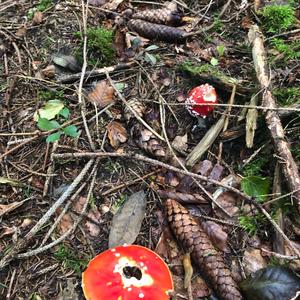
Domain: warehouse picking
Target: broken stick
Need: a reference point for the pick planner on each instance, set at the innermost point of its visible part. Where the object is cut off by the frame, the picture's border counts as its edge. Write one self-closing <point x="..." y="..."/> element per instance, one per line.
<point x="288" y="164"/>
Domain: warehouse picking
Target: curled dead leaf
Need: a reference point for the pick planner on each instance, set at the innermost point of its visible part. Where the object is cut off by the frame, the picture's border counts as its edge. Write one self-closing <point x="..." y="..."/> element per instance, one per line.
<point x="180" y="142"/>
<point x="217" y="235"/>
<point x="92" y="228"/>
<point x="37" y="18"/>
<point x="103" y="94"/>
<point x="49" y="71"/>
<point x="116" y="133"/>
<point x="6" y="208"/>
<point x="253" y="261"/>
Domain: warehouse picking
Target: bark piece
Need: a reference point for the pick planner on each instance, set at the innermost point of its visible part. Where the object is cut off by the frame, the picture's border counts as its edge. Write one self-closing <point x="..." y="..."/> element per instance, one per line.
<point x="159" y="16"/>
<point x="208" y="259"/>
<point x="156" y="31"/>
<point x="289" y="165"/>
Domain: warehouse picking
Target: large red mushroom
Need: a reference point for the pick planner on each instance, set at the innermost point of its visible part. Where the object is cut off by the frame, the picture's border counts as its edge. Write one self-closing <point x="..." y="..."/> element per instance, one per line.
<point x="200" y="100"/>
<point x="128" y="272"/>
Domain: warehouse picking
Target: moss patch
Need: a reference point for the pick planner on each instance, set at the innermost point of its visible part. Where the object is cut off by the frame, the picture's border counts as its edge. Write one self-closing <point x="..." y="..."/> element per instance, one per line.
<point x="287" y="96"/>
<point x="278" y="18"/>
<point x="100" y="47"/>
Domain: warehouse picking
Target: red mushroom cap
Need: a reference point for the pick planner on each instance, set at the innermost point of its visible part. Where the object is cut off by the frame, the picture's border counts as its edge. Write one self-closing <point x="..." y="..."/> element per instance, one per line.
<point x="110" y="275"/>
<point x="202" y="94"/>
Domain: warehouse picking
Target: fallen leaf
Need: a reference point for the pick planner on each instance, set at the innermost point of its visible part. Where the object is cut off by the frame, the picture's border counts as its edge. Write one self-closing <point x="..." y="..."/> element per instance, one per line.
<point x="253" y="261"/>
<point x="127" y="222"/>
<point x="93" y="229"/>
<point x="37" y="18"/>
<point x="228" y="201"/>
<point x="97" y="2"/>
<point x="6" y="208"/>
<point x="180" y="142"/>
<point x="49" y="111"/>
<point x="79" y="204"/>
<point x="8" y="231"/>
<point x="69" y="292"/>
<point x="65" y="223"/>
<point x="116" y="133"/>
<point x="103" y="94"/>
<point x="21" y="32"/>
<point x="216" y="234"/>
<point x="216" y="173"/>
<point x="48" y="72"/>
<point x="120" y="43"/>
<point x="113" y="4"/>
<point x="12" y="182"/>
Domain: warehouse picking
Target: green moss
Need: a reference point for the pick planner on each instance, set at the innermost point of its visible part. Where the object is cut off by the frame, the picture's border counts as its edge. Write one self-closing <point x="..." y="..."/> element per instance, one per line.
<point x="287" y="96"/>
<point x="256" y="166"/>
<point x="290" y="50"/>
<point x="44" y="4"/>
<point x="47" y="95"/>
<point x="71" y="260"/>
<point x="206" y="69"/>
<point x="100" y="47"/>
<point x="278" y="18"/>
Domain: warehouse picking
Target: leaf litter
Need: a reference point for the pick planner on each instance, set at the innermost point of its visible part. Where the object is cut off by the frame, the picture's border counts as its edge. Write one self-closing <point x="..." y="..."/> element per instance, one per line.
<point x="166" y="61"/>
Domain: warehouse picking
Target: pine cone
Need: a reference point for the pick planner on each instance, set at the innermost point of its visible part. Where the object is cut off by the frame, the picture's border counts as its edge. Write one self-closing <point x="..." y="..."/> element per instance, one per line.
<point x="135" y="105"/>
<point x="157" y="32"/>
<point x="159" y="16"/>
<point x="147" y="141"/>
<point x="208" y="259"/>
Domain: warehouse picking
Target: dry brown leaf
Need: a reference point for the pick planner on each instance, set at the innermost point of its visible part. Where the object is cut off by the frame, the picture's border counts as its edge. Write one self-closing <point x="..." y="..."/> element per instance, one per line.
<point x="21" y="32"/>
<point x="228" y="201"/>
<point x="79" y="204"/>
<point x="8" y="231"/>
<point x="217" y="235"/>
<point x="120" y="43"/>
<point x="127" y="222"/>
<point x="97" y="2"/>
<point x="180" y="142"/>
<point x="116" y="133"/>
<point x="113" y="4"/>
<point x="103" y="94"/>
<point x="37" y="18"/>
<point x="253" y="261"/>
<point x="65" y="223"/>
<point x="93" y="229"/>
<point x="49" y="71"/>
<point x="6" y="208"/>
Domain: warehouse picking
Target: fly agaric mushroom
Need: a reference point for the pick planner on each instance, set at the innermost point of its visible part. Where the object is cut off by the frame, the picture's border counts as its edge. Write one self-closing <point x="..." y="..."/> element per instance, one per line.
<point x="198" y="98"/>
<point x="128" y="272"/>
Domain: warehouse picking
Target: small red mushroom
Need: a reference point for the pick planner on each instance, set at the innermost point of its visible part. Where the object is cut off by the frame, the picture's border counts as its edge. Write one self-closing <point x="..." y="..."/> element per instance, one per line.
<point x="198" y="97"/>
<point x="128" y="272"/>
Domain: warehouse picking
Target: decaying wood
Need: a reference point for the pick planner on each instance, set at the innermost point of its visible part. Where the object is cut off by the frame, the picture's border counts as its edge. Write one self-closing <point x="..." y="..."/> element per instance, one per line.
<point x="251" y="122"/>
<point x="94" y="73"/>
<point x="207" y="258"/>
<point x="288" y="163"/>
<point x="205" y="142"/>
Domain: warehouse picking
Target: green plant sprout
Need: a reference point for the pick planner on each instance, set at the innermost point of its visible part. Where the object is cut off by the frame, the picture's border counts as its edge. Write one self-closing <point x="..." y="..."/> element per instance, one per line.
<point x="47" y="119"/>
<point x="41" y="6"/>
<point x="70" y="260"/>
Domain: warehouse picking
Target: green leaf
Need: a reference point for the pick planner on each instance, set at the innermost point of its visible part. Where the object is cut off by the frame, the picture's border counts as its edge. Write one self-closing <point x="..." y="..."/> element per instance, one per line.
<point x="150" y="58"/>
<point x="271" y="283"/>
<point x="256" y="186"/>
<point x="54" y="137"/>
<point x="65" y="112"/>
<point x="71" y="131"/>
<point x="12" y="182"/>
<point x="220" y="50"/>
<point x="151" y="47"/>
<point x="50" y="110"/>
<point x="214" y="62"/>
<point x="46" y="125"/>
<point x="120" y="86"/>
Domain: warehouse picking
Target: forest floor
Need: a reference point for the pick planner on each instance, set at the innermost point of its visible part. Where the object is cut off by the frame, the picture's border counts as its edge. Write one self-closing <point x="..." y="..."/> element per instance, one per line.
<point x="92" y="112"/>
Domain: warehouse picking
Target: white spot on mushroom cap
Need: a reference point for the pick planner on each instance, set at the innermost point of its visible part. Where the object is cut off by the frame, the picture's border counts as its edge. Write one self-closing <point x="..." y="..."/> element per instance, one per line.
<point x="141" y="295"/>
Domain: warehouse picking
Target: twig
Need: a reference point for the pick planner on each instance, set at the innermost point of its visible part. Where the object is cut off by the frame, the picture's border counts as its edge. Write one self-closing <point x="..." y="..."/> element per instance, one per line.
<point x="97" y="72"/>
<point x="174" y="169"/>
<point x="21" y="244"/>
<point x="81" y="99"/>
<point x="132" y="110"/>
<point x="289" y="165"/>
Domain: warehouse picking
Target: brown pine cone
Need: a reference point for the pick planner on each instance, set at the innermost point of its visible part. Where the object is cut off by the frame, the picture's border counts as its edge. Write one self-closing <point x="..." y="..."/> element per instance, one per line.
<point x="208" y="259"/>
<point x="136" y="105"/>
<point x="156" y="31"/>
<point x="159" y="16"/>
